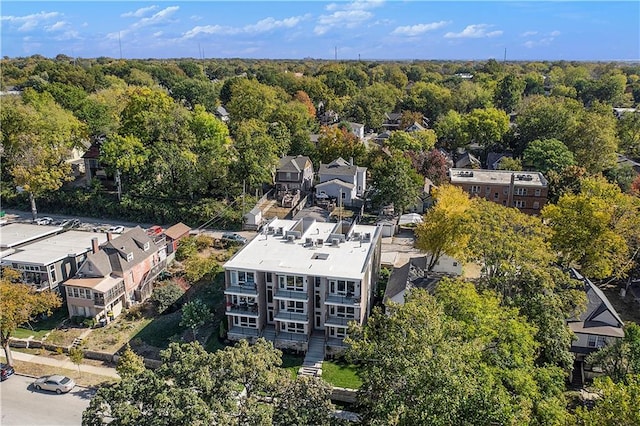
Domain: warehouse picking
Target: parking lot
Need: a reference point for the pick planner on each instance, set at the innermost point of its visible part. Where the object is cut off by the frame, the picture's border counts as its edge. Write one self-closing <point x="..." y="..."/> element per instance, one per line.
<point x="23" y="405"/>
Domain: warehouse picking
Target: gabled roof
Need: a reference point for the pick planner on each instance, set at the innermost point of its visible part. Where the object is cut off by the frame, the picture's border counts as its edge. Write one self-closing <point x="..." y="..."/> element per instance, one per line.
<point x="393" y="116"/>
<point x="411" y="275"/>
<point x="96" y="265"/>
<point x="336" y="182"/>
<point x="467" y="159"/>
<point x="292" y="163"/>
<point x="597" y="304"/>
<point x="177" y="230"/>
<point x="338" y="167"/>
<point x="221" y="111"/>
<point x="414" y="127"/>
<point x="132" y="241"/>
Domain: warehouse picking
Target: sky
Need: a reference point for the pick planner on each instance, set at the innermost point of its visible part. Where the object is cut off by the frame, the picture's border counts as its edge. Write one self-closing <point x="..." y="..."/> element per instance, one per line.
<point x="346" y="30"/>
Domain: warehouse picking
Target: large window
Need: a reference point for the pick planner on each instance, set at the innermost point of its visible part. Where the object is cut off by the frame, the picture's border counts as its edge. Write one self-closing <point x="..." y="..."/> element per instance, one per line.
<point x="250" y="322"/>
<point x="520" y="204"/>
<point x="292" y="327"/>
<point x="291" y="283"/>
<point x="596" y="341"/>
<point x="79" y="293"/>
<point x="342" y="287"/>
<point x="242" y="277"/>
<point x="338" y="332"/>
<point x="475" y="189"/>
<point x="342" y="311"/>
<point x="292" y="306"/>
<point x="520" y="191"/>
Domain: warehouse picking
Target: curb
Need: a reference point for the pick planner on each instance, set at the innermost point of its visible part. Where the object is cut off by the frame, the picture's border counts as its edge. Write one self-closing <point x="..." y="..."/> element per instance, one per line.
<point x="36" y="377"/>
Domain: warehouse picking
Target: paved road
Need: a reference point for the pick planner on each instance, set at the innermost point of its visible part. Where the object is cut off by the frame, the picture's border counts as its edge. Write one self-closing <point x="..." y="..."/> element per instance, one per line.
<point x="22" y="405"/>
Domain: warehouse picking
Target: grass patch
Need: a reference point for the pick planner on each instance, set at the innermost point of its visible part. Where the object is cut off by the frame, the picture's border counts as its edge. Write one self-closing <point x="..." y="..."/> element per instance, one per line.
<point x="341" y="374"/>
<point x="159" y="331"/>
<point x="39" y="328"/>
<point x="292" y="363"/>
<point x="114" y="335"/>
<point x="82" y="378"/>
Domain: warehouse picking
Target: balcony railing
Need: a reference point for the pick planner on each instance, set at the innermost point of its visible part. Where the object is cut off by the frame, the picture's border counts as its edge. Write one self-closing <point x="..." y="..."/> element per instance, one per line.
<point x="291" y="295"/>
<point x="243" y="331"/>
<point x="291" y="317"/>
<point x="292" y="337"/>
<point x="338" y="321"/>
<point x="336" y="342"/>
<point x="244" y="310"/>
<point x="249" y="289"/>
<point x="335" y="299"/>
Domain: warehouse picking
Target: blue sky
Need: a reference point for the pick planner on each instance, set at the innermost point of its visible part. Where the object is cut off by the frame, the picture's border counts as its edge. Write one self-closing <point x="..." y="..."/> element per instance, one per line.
<point x="457" y="30"/>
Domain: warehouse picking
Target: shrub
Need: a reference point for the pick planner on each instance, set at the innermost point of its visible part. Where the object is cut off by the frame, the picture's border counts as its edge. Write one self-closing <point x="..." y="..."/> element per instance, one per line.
<point x="203" y="242"/>
<point x="135" y="312"/>
<point x="89" y="322"/>
<point x="165" y="296"/>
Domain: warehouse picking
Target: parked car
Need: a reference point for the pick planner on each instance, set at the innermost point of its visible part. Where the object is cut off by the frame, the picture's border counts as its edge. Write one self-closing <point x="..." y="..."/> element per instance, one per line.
<point x="155" y="230"/>
<point x="6" y="371"/>
<point x="234" y="238"/>
<point x="56" y="383"/>
<point x="70" y="223"/>
<point x="44" y="221"/>
<point x="116" y="229"/>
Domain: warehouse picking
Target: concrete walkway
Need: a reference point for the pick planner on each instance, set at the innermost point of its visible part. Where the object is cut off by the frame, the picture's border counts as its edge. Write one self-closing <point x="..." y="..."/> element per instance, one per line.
<point x="312" y="365"/>
<point x="65" y="362"/>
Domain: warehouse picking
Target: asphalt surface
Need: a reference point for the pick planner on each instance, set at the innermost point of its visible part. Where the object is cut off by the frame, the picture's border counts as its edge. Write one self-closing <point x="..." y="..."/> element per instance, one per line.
<point x="22" y="405"/>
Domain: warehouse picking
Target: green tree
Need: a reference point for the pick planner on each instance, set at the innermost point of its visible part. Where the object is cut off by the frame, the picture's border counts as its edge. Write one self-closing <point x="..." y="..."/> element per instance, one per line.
<point x="395" y="181"/>
<point x="129" y="364"/>
<point x="509" y="163"/>
<point x="620" y="358"/>
<point x="194" y="315"/>
<point x="444" y="229"/>
<point x="595" y="229"/>
<point x="76" y="355"/>
<point x="19" y="304"/>
<point x="257" y="154"/>
<point x="547" y="154"/>
<point x="486" y="126"/>
<point x="166" y="295"/>
<point x="617" y="404"/>
<point x="593" y="141"/>
<point x="337" y="141"/>
<point x="305" y="401"/>
<point x="628" y="128"/>
<point x="451" y="131"/>
<point x="430" y="99"/>
<point x="509" y="92"/>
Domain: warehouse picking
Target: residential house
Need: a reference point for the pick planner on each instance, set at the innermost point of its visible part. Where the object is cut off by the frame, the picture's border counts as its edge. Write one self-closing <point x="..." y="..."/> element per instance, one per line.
<point x="174" y="234"/>
<point x="626" y="161"/>
<point x="294" y="172"/>
<point x="415" y="127"/>
<point x="48" y="263"/>
<point x="91" y="158"/>
<point x="466" y="160"/>
<point x="596" y="327"/>
<point x="116" y="275"/>
<point x="301" y="279"/>
<point x="222" y="114"/>
<point x="526" y="191"/>
<point x="15" y="235"/>
<point x="357" y="129"/>
<point x="392" y="120"/>
<point x="414" y="274"/>
<point x="342" y="181"/>
<point x="495" y="158"/>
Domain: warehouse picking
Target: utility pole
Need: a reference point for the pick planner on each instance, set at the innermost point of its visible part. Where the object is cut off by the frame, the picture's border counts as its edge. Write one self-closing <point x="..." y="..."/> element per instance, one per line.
<point x="120" y="44"/>
<point x="336" y="52"/>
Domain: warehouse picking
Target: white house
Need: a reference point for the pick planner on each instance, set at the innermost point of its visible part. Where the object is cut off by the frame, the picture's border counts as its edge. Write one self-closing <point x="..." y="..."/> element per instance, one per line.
<point x="341" y="180"/>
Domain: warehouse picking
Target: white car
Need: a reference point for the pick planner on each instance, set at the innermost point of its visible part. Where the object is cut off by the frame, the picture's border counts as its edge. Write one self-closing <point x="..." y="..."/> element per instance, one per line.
<point x="56" y="383"/>
<point x="44" y="221"/>
<point x="116" y="229"/>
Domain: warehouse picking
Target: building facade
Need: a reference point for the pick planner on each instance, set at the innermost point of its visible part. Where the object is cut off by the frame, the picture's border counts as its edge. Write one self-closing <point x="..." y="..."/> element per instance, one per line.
<point x="526" y="191"/>
<point x="302" y="278"/>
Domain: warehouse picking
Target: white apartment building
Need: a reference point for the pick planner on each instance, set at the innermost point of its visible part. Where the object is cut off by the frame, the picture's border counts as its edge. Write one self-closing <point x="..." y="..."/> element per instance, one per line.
<point x="302" y="278"/>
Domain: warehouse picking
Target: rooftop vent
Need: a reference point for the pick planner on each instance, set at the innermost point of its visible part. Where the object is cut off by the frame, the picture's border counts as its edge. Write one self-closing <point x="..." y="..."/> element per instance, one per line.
<point x="308" y="242"/>
<point x="291" y="238"/>
<point x="367" y="236"/>
<point x="270" y="230"/>
<point x="466" y="173"/>
<point x="279" y="231"/>
<point x="320" y="241"/>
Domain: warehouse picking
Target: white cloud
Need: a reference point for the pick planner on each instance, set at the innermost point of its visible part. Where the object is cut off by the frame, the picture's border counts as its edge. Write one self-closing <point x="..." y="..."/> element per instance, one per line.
<point x="414" y="30"/>
<point x="555" y="33"/>
<point x="139" y="13"/>
<point x="356" y="5"/>
<point x="158" y="34"/>
<point x="528" y="33"/>
<point x="261" y="26"/>
<point x="475" y="31"/>
<point x="341" y="18"/>
<point x="57" y="26"/>
<point x="29" y="22"/>
<point x="545" y="41"/>
<point x="157" y="18"/>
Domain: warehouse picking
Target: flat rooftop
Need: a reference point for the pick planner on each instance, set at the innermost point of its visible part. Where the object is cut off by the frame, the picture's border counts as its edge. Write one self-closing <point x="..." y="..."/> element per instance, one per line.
<point x="15" y="234"/>
<point x="53" y="249"/>
<point x="98" y="284"/>
<point x="499" y="177"/>
<point x="275" y="253"/>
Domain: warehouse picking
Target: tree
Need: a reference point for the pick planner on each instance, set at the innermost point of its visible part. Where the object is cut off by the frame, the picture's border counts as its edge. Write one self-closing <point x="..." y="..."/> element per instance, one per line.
<point x="444" y="229"/>
<point x="430" y="99"/>
<point x="435" y="167"/>
<point x="395" y="181"/>
<point x="130" y="364"/>
<point x="252" y="100"/>
<point x="337" y="141"/>
<point x="596" y="229"/>
<point x="194" y="315"/>
<point x="164" y="296"/>
<point x="620" y="358"/>
<point x="457" y="358"/>
<point x="593" y="141"/>
<point x="257" y="154"/>
<point x="544" y="155"/>
<point x="510" y="163"/>
<point x="19" y="304"/>
<point x="509" y="92"/>
<point x="76" y="355"/>
<point x="451" y="131"/>
<point x="305" y="401"/>
<point x="617" y="404"/>
<point x="486" y="126"/>
<point x="628" y="129"/>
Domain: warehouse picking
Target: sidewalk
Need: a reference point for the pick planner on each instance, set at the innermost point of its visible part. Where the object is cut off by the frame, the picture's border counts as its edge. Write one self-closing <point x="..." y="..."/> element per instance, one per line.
<point x="65" y="363"/>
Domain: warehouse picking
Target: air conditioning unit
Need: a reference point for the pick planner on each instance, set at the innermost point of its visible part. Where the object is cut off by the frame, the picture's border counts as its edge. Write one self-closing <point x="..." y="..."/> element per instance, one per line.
<point x="270" y="230"/>
<point x="367" y="236"/>
<point x="291" y="238"/>
<point x="335" y="242"/>
<point x="356" y="235"/>
<point x="320" y="242"/>
<point x="280" y="231"/>
<point x="308" y="242"/>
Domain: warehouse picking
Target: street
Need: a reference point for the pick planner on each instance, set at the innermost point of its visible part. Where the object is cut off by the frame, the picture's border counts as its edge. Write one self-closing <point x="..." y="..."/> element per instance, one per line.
<point x="22" y="405"/>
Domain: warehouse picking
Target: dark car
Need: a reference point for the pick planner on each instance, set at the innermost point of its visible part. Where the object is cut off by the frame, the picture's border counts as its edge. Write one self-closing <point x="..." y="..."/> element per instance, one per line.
<point x="6" y="371"/>
<point x="233" y="238"/>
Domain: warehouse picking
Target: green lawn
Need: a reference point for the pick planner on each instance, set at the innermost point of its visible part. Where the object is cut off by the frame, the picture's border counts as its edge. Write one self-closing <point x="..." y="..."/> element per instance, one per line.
<point x="292" y="363"/>
<point x="158" y="332"/>
<point x="341" y="374"/>
<point x="38" y="329"/>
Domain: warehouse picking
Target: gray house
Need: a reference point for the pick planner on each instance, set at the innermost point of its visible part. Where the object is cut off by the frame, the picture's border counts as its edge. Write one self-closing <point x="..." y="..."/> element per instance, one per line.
<point x="294" y="172"/>
<point x="341" y="180"/>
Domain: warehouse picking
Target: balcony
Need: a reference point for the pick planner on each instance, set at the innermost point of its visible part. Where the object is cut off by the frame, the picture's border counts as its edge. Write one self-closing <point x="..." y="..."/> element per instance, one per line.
<point x="338" y="299"/>
<point x="237" y="333"/>
<point x="285" y="336"/>
<point x="243" y="310"/>
<point x="242" y="289"/>
<point x="336" y="343"/>
<point x="291" y="317"/>
<point x="291" y="295"/>
<point x="338" y="321"/>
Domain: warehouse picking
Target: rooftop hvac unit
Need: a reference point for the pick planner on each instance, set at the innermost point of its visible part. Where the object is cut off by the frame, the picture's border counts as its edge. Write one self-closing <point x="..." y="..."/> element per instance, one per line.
<point x="270" y="230"/>
<point x="308" y="242"/>
<point x="367" y="236"/>
<point x="335" y="242"/>
<point x="290" y="238"/>
<point x="279" y="231"/>
<point x="356" y="235"/>
<point x="320" y="241"/>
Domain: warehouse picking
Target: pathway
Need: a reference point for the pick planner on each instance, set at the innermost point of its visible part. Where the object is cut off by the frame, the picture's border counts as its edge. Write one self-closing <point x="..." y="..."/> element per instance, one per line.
<point x="312" y="364"/>
<point x="65" y="362"/>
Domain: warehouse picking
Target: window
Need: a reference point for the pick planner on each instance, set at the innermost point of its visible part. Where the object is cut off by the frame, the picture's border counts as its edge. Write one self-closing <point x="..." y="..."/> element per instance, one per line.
<point x="318" y="301"/>
<point x="455" y="263"/>
<point x="343" y="194"/>
<point x="520" y="204"/>
<point x="146" y="246"/>
<point x="269" y="295"/>
<point x="292" y="306"/>
<point x="52" y="273"/>
<point x="343" y="311"/>
<point x="537" y="192"/>
<point x="536" y="205"/>
<point x="596" y="341"/>
<point x="495" y="196"/>
<point x="342" y="287"/>
<point x="269" y="277"/>
<point x="338" y="332"/>
<point x="317" y="281"/>
<point x="475" y="189"/>
<point x="520" y="191"/>
<point x="129" y="257"/>
<point x="292" y="327"/>
<point x="291" y="283"/>
<point x="488" y="190"/>
<point x="242" y="277"/>
<point x="505" y="191"/>
<point x="288" y="174"/>
<point x="245" y="322"/>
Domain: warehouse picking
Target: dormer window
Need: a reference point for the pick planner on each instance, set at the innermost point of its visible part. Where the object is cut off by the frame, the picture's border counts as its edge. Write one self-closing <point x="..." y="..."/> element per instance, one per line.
<point x="146" y="246"/>
<point x="129" y="257"/>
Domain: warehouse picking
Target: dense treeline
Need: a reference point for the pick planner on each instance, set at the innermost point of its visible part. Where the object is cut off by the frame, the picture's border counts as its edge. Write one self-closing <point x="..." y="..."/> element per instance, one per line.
<point x="157" y="122"/>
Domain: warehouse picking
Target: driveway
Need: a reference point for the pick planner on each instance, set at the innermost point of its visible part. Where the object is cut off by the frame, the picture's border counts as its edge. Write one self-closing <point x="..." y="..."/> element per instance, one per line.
<point x="23" y="405"/>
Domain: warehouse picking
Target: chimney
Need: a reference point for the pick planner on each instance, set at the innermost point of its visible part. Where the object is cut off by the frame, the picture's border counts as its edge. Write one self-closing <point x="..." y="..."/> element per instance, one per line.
<point x="109" y="236"/>
<point x="351" y="161"/>
<point x="94" y="245"/>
